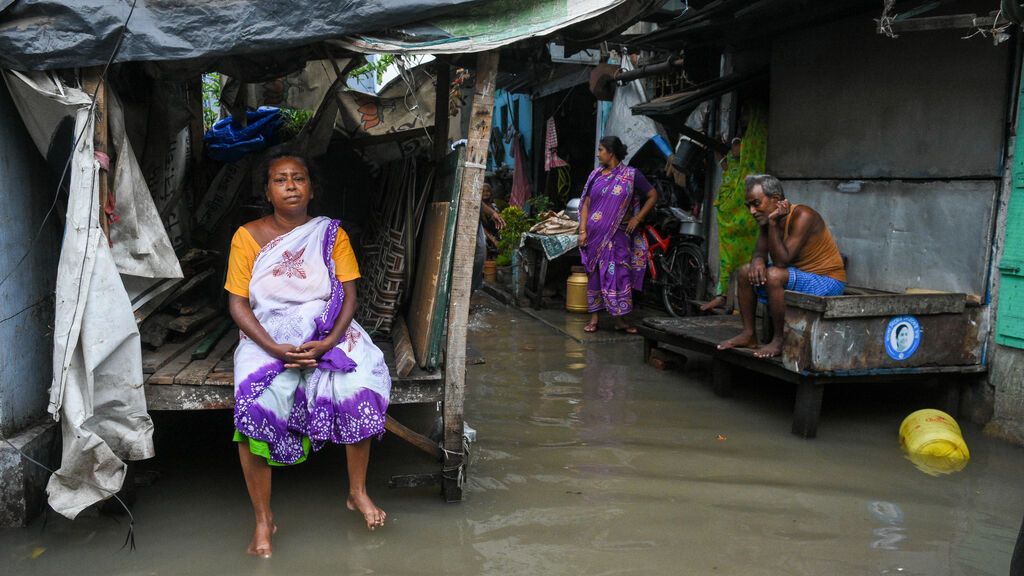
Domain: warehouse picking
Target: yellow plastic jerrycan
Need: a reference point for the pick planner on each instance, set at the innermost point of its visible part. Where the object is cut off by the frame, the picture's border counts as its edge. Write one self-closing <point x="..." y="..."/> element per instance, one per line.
<point x="576" y="290"/>
<point x="933" y="441"/>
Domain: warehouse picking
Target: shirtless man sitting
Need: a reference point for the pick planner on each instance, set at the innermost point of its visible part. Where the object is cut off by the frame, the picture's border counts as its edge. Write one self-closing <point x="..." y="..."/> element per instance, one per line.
<point x="795" y="251"/>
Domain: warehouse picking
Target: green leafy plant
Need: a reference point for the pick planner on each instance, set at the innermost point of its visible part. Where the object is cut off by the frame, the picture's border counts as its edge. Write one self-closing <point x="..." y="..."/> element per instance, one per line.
<point x="539" y="204"/>
<point x="294" y="120"/>
<point x="516" y="223"/>
<point x="377" y="68"/>
<point x="211" y="99"/>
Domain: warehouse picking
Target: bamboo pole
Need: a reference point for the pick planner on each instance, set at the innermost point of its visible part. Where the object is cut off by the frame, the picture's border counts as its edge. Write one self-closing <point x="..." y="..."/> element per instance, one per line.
<point x="441" y="117"/>
<point x="462" y="275"/>
<point x="92" y="83"/>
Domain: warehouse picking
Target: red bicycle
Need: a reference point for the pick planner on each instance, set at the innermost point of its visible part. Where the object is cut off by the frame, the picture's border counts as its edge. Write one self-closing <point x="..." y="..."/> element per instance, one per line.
<point x="676" y="260"/>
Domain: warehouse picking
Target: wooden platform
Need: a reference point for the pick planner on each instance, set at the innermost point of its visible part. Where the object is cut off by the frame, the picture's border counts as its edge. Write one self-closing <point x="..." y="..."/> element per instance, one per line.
<point x="703" y="333"/>
<point x="177" y="378"/>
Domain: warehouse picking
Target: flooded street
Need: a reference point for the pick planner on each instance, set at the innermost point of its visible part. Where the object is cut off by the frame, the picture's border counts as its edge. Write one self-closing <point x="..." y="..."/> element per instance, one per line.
<point x="589" y="462"/>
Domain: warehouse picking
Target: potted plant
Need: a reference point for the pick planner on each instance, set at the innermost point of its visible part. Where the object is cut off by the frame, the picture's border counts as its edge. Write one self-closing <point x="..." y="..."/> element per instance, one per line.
<point x="516" y="223"/>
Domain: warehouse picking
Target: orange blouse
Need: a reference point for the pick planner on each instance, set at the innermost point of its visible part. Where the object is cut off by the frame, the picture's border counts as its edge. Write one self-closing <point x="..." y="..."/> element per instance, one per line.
<point x="244" y="250"/>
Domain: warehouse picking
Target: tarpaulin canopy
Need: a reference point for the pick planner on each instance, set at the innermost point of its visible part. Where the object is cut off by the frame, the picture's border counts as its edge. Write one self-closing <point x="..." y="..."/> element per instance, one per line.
<point x="483" y="27"/>
<point x="48" y="34"/>
<point x="54" y="34"/>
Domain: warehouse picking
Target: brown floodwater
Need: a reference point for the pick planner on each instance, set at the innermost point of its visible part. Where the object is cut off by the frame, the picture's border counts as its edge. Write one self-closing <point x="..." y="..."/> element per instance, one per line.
<point x="587" y="461"/>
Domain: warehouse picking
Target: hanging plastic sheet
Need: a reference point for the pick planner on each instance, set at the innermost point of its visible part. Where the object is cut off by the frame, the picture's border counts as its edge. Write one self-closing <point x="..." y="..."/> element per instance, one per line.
<point x="634" y="131"/>
<point x="96" y="392"/>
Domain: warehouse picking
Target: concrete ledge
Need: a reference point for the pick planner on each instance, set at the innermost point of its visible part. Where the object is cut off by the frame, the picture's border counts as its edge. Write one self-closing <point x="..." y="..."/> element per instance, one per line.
<point x="22" y="483"/>
<point x="1008" y="430"/>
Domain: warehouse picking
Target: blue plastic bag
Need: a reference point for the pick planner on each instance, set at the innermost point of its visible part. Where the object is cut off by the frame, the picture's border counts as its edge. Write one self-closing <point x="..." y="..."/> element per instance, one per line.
<point x="225" y="143"/>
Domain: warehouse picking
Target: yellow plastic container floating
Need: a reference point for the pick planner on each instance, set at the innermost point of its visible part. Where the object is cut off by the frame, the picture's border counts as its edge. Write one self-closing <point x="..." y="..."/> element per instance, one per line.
<point x="933" y="442"/>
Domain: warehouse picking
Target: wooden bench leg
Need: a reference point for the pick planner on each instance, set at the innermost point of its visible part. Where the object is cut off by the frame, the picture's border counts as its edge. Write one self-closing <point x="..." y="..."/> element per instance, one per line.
<point x="807" y="412"/>
<point x="649" y="345"/>
<point x="541" y="279"/>
<point x="722" y="377"/>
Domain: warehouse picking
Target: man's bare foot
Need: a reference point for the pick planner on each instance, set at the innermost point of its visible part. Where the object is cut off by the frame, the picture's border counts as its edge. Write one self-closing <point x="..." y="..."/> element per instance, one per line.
<point x="260" y="543"/>
<point x="716" y="302"/>
<point x="743" y="340"/>
<point x="770" y="350"/>
<point x="361" y="502"/>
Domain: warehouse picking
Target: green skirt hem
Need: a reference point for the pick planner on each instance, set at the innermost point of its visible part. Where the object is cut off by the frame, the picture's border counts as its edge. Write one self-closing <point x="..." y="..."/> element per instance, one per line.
<point x="262" y="449"/>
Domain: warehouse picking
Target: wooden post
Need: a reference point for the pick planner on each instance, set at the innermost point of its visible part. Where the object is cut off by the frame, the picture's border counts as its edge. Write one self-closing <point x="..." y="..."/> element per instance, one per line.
<point x="462" y="271"/>
<point x="441" y="117"/>
<point x="807" y="412"/>
<point x="91" y="83"/>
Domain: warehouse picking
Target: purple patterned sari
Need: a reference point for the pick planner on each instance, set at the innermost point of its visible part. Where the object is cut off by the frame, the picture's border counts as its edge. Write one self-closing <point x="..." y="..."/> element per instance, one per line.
<point x="615" y="261"/>
<point x="297" y="297"/>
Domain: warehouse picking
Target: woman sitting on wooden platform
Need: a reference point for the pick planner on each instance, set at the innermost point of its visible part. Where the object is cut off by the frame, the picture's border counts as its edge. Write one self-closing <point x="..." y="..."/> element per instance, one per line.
<point x="305" y="372"/>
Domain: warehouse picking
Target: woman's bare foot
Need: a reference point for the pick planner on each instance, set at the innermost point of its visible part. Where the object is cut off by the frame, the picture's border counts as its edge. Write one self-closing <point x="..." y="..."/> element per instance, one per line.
<point x="361" y="502"/>
<point x="743" y="340"/>
<point x="716" y="302"/>
<point x="260" y="543"/>
<point x="770" y="350"/>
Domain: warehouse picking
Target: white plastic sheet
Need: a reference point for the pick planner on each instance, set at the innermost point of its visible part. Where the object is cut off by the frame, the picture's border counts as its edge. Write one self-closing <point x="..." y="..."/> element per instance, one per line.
<point x="634" y="131"/>
<point x="96" y="392"/>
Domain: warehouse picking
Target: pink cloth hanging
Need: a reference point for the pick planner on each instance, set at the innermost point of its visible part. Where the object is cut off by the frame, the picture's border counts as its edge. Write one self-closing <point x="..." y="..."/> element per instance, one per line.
<point x="551" y="158"/>
<point x="520" y="182"/>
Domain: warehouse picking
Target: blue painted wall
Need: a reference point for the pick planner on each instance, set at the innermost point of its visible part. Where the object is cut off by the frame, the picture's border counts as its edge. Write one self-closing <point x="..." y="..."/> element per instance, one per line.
<point x="26" y="191"/>
<point x="523" y="114"/>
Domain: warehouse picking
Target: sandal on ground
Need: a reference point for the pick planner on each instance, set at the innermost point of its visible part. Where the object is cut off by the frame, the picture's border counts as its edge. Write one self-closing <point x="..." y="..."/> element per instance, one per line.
<point x="626" y="329"/>
<point x="590" y="328"/>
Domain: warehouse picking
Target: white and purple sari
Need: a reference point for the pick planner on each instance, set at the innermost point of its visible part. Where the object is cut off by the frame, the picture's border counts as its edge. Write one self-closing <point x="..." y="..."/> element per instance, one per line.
<point x="297" y="298"/>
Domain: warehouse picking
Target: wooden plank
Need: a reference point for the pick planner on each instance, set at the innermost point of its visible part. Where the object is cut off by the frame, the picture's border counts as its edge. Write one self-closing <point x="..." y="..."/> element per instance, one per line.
<point x="171" y="295"/>
<point x="462" y="273"/>
<point x="444" y="275"/>
<point x="195" y="373"/>
<point x="153" y="332"/>
<point x="405" y="359"/>
<point x="206" y="346"/>
<point x="177" y="397"/>
<point x="952" y="22"/>
<point x="186" y="324"/>
<point x="419" y="441"/>
<point x="416" y="392"/>
<point x="166" y="374"/>
<point x="424" y="294"/>
<point x="856" y="306"/>
<point x="226" y="364"/>
<point x="218" y="393"/>
<point x="894" y="305"/>
<point x="220" y="379"/>
<point x="153" y="360"/>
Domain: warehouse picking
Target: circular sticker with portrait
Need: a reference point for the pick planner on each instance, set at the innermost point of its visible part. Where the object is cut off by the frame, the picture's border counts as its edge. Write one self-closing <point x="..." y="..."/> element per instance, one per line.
<point x="902" y="337"/>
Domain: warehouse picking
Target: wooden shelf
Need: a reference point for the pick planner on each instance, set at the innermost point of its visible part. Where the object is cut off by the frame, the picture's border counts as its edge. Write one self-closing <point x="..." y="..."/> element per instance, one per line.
<point x="174" y="381"/>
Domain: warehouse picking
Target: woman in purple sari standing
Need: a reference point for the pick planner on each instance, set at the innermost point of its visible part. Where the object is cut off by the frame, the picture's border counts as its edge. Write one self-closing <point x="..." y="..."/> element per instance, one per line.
<point x="613" y="250"/>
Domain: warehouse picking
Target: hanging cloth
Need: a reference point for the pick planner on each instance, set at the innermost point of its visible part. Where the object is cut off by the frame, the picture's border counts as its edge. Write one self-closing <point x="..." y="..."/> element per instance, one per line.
<point x="521" y="191"/>
<point x="551" y="158"/>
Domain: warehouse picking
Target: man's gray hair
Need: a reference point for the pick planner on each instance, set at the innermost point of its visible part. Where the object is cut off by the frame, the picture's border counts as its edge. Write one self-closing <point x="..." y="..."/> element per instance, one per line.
<point x="769" y="184"/>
